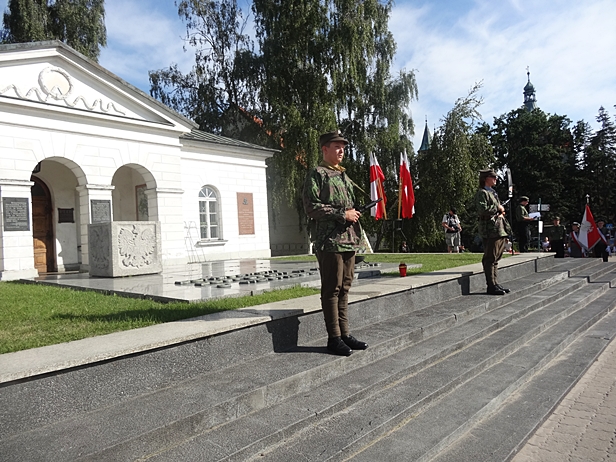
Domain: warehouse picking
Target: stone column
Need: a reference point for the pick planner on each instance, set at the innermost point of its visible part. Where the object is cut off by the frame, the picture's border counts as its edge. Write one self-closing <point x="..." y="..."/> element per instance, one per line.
<point x="168" y="210"/>
<point x="93" y="201"/>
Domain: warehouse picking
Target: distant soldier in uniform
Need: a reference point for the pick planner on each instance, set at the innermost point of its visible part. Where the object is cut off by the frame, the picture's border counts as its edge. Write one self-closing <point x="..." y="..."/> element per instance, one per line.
<point x="493" y="229"/>
<point x="329" y="201"/>
<point x="600" y="249"/>
<point x="521" y="224"/>
<point x="557" y="234"/>
<point x="575" y="248"/>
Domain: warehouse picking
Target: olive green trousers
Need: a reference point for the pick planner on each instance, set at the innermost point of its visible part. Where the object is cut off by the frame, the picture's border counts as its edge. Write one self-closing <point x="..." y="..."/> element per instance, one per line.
<point x="337" y="271"/>
<point x="493" y="248"/>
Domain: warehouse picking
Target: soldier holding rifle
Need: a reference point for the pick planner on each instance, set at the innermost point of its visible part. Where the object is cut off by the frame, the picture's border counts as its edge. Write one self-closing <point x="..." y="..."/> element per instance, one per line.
<point x="493" y="229"/>
<point x="329" y="202"/>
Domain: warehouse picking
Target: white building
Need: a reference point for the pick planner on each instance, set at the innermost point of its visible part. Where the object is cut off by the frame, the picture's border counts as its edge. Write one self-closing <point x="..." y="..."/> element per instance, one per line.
<point x="78" y="145"/>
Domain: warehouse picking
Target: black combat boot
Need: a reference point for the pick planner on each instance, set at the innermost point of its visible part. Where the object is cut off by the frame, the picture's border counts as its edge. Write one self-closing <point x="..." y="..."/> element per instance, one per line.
<point x="338" y="347"/>
<point x="503" y="288"/>
<point x="353" y="343"/>
<point x="495" y="290"/>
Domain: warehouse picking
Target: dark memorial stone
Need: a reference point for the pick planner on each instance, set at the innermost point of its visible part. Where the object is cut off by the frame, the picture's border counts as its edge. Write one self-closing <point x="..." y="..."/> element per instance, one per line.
<point x="101" y="211"/>
<point x="16" y="213"/>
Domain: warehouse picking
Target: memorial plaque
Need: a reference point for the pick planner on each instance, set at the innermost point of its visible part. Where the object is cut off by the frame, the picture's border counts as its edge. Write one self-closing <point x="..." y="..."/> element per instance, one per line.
<point x="16" y="213"/>
<point x="101" y="211"/>
<point x="66" y="215"/>
<point x="245" y="214"/>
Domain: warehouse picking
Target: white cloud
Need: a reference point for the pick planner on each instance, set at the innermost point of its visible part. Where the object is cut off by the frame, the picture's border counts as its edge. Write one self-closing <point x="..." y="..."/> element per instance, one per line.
<point x="568" y="45"/>
<point x="143" y="36"/>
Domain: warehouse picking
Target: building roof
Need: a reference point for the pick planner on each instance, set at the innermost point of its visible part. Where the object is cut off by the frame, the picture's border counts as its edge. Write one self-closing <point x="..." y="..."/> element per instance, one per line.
<point x="198" y="135"/>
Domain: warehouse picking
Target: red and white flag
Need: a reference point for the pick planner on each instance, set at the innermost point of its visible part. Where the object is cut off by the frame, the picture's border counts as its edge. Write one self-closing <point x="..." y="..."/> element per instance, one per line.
<point x="589" y="233"/>
<point x="406" y="205"/>
<point x="376" y="189"/>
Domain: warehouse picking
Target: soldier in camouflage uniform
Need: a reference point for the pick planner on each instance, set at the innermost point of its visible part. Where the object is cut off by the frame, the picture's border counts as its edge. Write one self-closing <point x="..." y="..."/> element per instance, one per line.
<point x="335" y="232"/>
<point x="493" y="229"/>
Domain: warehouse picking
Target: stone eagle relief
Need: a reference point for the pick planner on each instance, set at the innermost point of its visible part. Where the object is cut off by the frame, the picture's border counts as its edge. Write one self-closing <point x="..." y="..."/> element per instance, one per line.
<point x="55" y="84"/>
<point x="136" y="246"/>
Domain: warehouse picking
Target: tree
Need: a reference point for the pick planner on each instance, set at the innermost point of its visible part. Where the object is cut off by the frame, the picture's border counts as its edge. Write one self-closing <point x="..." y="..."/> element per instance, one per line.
<point x="599" y="167"/>
<point x="225" y="71"/>
<point x="447" y="172"/>
<point x="318" y="66"/>
<point x="539" y="150"/>
<point x="78" y="23"/>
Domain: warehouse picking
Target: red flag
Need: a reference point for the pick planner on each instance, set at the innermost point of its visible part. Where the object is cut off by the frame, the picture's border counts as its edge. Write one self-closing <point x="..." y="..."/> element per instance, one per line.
<point x="589" y="233"/>
<point x="376" y="189"/>
<point x="406" y="206"/>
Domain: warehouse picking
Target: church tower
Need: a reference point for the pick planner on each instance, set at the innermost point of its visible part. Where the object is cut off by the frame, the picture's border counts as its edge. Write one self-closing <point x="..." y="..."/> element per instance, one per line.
<point x="426" y="140"/>
<point x="530" y="101"/>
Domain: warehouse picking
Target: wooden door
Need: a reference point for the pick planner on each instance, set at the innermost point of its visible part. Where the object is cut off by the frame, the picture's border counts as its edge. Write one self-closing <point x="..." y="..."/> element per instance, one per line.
<point x="42" y="228"/>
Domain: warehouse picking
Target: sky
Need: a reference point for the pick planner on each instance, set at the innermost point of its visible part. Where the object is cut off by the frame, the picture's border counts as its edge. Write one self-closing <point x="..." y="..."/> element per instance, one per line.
<point x="568" y="45"/>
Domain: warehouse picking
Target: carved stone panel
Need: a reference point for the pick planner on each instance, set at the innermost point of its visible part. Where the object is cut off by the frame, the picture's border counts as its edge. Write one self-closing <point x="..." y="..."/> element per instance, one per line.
<point x="16" y="213"/>
<point x="124" y="248"/>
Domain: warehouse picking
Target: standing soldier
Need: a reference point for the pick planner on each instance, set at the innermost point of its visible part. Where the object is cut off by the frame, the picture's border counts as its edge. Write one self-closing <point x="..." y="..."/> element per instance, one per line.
<point x="335" y="232"/>
<point x="493" y="229"/>
<point x="557" y="234"/>
<point x="521" y="224"/>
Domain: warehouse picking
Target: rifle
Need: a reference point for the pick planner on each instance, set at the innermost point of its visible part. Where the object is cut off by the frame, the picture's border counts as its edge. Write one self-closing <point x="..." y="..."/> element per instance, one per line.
<point x="363" y="208"/>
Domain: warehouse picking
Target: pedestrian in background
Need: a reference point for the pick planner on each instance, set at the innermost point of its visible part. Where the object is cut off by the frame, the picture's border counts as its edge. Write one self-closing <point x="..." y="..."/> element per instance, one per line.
<point x="453" y="228"/>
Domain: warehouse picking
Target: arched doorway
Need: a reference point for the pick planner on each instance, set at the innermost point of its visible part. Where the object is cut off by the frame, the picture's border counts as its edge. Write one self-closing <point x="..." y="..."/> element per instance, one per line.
<point x="42" y="227"/>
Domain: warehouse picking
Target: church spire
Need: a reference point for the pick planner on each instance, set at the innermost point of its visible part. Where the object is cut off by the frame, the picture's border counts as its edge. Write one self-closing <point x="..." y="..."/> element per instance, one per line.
<point x="426" y="140"/>
<point x="530" y="101"/>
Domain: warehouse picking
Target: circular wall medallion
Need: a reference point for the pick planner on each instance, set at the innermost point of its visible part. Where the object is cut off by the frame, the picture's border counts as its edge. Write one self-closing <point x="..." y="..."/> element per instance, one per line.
<point x="56" y="83"/>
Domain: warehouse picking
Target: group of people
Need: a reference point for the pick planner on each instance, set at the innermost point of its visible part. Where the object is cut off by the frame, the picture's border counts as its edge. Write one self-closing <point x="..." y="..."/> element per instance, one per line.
<point x="335" y="232"/>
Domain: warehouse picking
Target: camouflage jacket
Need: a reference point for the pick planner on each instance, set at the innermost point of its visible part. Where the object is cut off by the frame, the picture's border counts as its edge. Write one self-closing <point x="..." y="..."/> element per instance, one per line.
<point x="491" y="224"/>
<point x="328" y="194"/>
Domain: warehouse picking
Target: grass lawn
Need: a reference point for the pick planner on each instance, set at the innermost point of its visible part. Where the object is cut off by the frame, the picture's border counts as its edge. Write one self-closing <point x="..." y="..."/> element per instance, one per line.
<point x="39" y="315"/>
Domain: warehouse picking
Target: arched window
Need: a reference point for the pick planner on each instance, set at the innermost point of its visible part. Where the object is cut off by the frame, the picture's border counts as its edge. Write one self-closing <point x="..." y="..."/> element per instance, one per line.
<point x="208" y="213"/>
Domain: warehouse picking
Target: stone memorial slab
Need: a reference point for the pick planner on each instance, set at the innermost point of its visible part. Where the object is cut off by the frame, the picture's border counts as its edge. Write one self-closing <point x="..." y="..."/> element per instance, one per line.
<point x="16" y="213"/>
<point x="124" y="248"/>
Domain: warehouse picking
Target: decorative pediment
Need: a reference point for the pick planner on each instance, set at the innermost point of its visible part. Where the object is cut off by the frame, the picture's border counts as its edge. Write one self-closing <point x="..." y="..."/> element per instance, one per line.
<point x="56" y="86"/>
<point x="54" y="75"/>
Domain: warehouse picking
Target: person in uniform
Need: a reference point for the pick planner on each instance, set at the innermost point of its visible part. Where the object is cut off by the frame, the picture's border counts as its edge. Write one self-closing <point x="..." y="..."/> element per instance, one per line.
<point x="335" y="232"/>
<point x="575" y="248"/>
<point x="521" y="224"/>
<point x="557" y="234"/>
<point x="600" y="249"/>
<point x="493" y="229"/>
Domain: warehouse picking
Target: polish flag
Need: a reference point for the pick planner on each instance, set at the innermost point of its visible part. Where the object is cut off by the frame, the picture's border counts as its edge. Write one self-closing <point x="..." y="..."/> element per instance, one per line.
<point x="589" y="233"/>
<point x="406" y="205"/>
<point x="376" y="189"/>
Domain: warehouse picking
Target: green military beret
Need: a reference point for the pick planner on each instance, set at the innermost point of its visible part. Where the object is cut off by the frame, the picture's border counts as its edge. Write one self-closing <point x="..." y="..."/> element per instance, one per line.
<point x="524" y="198"/>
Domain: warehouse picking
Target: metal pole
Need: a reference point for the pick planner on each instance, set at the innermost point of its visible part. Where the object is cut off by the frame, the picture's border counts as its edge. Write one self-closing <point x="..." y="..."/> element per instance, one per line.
<point x="538" y="227"/>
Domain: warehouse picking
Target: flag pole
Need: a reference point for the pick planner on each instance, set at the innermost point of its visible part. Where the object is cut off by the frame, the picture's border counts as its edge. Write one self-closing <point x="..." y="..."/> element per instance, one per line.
<point x="400" y="188"/>
<point x="382" y="193"/>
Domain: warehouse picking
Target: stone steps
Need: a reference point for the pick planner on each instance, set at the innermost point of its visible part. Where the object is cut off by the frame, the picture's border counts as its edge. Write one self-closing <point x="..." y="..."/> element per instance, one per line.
<point x="256" y="393"/>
